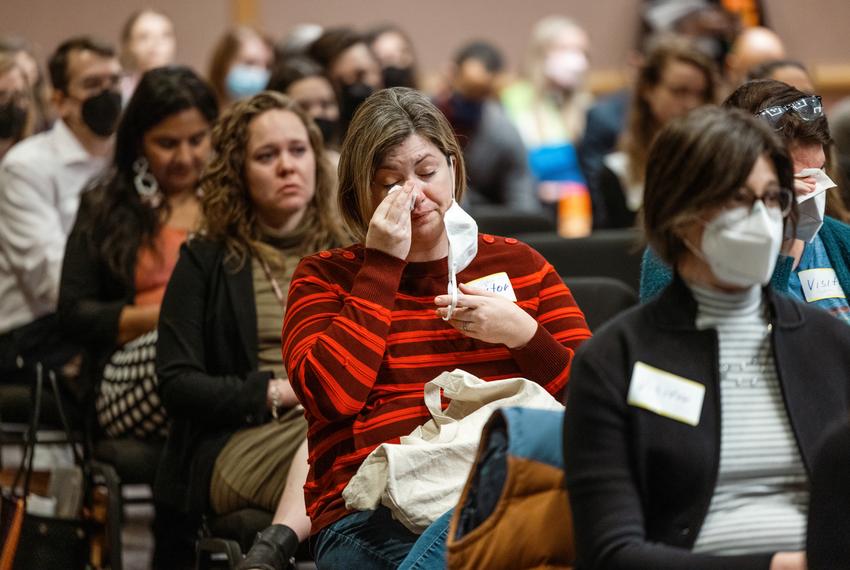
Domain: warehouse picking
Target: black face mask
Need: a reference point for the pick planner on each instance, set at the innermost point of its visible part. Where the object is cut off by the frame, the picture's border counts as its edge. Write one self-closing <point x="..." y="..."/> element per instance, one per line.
<point x="328" y="128"/>
<point x="352" y="96"/>
<point x="13" y="119"/>
<point x="100" y="112"/>
<point x="398" y="76"/>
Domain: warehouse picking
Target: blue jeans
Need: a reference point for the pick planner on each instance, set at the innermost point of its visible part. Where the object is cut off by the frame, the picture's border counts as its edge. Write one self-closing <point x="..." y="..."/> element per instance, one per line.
<point x="373" y="539"/>
<point x="429" y="552"/>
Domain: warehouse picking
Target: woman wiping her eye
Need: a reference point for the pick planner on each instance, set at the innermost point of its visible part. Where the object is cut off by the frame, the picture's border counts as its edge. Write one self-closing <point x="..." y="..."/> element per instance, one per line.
<point x="367" y="326"/>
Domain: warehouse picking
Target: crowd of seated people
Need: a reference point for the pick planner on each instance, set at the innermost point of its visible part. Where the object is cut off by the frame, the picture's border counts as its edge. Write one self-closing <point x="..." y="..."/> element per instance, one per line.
<point x="258" y="269"/>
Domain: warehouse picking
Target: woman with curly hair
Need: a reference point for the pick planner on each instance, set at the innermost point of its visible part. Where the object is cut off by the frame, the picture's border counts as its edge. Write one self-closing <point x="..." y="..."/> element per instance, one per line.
<point x="237" y="434"/>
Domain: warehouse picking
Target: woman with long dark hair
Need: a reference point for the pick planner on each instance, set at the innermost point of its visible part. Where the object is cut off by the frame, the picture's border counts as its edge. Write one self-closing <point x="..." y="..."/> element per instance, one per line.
<point x="125" y="242"/>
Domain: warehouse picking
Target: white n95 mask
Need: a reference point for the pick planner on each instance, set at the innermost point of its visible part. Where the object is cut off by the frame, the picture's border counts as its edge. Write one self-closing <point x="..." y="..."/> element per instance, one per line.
<point x="740" y="245"/>
<point x="811" y="207"/>
<point x="462" y="232"/>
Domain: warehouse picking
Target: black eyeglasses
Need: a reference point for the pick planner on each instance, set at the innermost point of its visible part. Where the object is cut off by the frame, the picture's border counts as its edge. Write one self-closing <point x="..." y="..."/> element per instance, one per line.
<point x="781" y="198"/>
<point x="807" y="108"/>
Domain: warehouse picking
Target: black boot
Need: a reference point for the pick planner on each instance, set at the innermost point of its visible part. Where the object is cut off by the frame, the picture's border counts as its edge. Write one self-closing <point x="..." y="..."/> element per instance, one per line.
<point x="273" y="549"/>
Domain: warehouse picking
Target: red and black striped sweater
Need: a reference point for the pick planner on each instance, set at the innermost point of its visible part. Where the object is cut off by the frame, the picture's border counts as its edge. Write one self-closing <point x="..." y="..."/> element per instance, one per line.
<point x="361" y="338"/>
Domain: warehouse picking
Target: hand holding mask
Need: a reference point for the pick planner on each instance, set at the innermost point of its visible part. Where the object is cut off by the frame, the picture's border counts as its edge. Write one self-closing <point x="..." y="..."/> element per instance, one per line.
<point x="811" y="206"/>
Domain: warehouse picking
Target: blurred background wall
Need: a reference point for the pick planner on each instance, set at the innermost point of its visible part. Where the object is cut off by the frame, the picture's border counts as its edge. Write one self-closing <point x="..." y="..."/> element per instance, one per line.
<point x="815" y="31"/>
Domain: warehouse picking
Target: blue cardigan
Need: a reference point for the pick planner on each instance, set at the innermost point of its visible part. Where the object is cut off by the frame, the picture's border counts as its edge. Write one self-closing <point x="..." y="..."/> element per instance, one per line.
<point x="655" y="275"/>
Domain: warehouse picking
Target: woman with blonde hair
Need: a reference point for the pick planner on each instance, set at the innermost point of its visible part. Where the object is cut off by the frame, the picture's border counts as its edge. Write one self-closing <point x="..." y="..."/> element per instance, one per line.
<point x="368" y="325"/>
<point x="237" y="433"/>
<point x="549" y="106"/>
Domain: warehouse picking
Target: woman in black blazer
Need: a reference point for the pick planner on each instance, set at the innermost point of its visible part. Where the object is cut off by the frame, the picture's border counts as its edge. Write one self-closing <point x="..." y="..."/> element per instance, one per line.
<point x="671" y="406"/>
<point x="237" y="437"/>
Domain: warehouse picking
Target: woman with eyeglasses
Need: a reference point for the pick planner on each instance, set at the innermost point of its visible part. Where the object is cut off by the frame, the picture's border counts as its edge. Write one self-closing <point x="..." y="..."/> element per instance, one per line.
<point x="692" y="420"/>
<point x="675" y="79"/>
<point x="814" y="266"/>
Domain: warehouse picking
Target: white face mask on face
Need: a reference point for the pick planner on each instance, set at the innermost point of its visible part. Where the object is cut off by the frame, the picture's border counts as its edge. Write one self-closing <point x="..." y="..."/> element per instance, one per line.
<point x="741" y="245"/>
<point x="811" y="207"/>
<point x="462" y="232"/>
<point x="565" y="68"/>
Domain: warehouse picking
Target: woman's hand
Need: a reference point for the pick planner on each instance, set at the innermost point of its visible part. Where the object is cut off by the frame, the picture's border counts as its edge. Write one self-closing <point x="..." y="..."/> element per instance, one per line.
<point x="489" y="317"/>
<point x="804" y="186"/>
<point x="389" y="228"/>
<point x="788" y="561"/>
<point x="285" y="394"/>
<point x="136" y="320"/>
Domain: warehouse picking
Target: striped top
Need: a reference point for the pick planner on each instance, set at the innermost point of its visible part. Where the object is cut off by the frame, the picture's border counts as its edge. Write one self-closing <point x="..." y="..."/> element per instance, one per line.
<point x="361" y="338"/>
<point x="761" y="496"/>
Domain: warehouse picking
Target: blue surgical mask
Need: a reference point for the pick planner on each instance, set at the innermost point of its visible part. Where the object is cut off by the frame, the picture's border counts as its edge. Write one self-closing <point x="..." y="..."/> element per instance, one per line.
<point x="246" y="80"/>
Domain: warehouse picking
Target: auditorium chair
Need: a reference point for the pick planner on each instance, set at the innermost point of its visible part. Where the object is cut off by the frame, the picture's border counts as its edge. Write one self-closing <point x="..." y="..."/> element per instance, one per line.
<point x="605" y="253"/>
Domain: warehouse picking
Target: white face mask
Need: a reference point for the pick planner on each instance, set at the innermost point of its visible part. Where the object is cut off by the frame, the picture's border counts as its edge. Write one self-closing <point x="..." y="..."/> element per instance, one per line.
<point x="462" y="232"/>
<point x="741" y="245"/>
<point x="565" y="68"/>
<point x="811" y="206"/>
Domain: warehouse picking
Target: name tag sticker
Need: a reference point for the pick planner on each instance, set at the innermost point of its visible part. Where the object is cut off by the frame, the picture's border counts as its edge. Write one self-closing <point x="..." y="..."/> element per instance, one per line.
<point x="498" y="283"/>
<point x="666" y="394"/>
<point x="820" y="284"/>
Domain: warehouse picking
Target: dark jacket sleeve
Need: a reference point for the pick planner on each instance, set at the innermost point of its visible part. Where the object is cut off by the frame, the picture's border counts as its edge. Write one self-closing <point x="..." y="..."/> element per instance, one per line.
<point x="190" y="390"/>
<point x="86" y="314"/>
<point x="828" y="537"/>
<point x="607" y="506"/>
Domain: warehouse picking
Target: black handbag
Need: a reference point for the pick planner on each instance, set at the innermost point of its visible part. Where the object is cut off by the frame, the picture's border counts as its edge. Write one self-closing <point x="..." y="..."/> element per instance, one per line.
<point x="45" y="541"/>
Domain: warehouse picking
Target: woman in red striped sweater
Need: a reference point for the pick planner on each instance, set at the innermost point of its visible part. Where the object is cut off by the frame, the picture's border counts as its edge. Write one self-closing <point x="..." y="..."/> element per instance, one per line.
<point x="363" y="330"/>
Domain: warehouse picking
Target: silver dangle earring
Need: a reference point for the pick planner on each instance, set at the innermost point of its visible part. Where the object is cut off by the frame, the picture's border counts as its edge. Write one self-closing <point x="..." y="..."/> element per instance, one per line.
<point x="146" y="184"/>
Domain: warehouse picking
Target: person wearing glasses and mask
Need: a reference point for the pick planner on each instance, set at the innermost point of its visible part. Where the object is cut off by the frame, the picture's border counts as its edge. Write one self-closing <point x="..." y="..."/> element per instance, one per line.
<point x="815" y="263"/>
<point x="692" y="420"/>
<point x="41" y="179"/>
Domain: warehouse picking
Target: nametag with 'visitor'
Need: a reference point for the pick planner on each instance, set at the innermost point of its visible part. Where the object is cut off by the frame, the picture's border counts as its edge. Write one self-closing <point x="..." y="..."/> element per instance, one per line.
<point x="666" y="394"/>
<point x="498" y="283"/>
<point x="819" y="284"/>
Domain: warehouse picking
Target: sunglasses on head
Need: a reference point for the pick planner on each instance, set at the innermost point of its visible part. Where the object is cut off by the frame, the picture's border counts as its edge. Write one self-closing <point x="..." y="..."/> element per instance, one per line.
<point x="807" y="108"/>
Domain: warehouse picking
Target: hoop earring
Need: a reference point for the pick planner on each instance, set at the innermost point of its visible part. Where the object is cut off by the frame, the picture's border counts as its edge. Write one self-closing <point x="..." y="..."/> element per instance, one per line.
<point x="146" y="184"/>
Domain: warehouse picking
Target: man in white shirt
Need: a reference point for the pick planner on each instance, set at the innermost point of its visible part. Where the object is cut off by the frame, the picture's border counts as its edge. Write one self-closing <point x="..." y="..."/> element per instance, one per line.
<point x="40" y="183"/>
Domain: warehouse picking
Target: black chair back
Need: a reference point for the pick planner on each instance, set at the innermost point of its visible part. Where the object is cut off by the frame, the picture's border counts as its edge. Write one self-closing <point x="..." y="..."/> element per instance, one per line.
<point x="600" y="298"/>
<point x="607" y="253"/>
<point x="502" y="221"/>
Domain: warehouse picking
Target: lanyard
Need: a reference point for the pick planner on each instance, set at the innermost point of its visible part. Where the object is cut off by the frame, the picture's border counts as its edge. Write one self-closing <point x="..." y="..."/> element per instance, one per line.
<point x="275" y="285"/>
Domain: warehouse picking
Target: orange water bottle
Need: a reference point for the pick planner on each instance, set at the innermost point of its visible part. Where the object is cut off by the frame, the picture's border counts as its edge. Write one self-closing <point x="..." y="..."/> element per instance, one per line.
<point x="575" y="213"/>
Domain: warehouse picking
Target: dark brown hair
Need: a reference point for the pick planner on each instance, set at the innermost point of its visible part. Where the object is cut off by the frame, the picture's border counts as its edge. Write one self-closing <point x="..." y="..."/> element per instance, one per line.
<point x="331" y="44"/>
<point x="57" y="65"/>
<point x="755" y="96"/>
<point x="292" y="70"/>
<point x="382" y="122"/>
<point x="696" y="164"/>
<point x="642" y="125"/>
